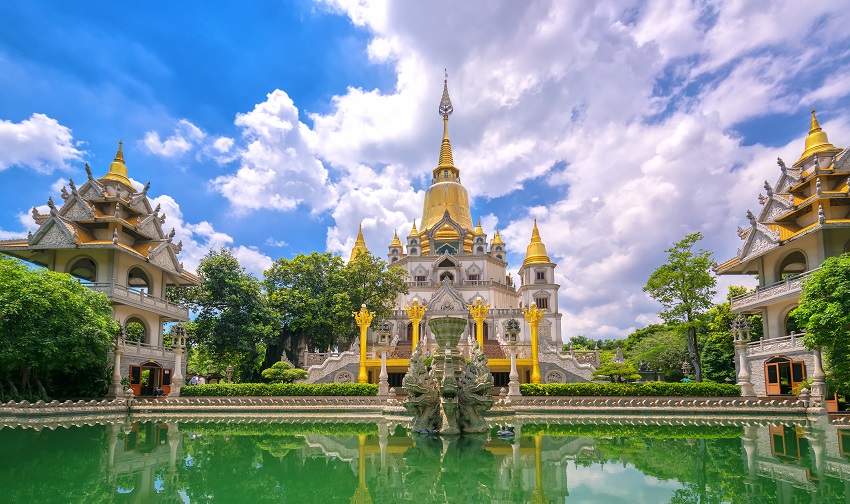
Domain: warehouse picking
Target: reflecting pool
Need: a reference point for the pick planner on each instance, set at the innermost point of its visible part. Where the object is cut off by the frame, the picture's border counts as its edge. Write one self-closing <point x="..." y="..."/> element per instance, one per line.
<point x="270" y="460"/>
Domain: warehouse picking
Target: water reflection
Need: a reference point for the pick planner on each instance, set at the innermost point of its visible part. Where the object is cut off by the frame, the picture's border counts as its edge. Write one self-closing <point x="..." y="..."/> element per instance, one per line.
<point x="269" y="460"/>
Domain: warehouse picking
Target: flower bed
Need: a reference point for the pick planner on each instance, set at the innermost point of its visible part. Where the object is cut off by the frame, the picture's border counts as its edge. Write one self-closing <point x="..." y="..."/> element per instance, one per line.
<point x="281" y="389"/>
<point x="693" y="389"/>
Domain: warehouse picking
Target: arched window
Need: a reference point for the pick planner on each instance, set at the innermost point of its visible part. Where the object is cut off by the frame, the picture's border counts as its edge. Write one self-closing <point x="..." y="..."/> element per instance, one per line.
<point x="85" y="269"/>
<point x="480" y="250"/>
<point x="498" y="248"/>
<point x="499" y="256"/>
<point x="394" y="259"/>
<point x="138" y="280"/>
<point x="135" y="331"/>
<point x="413" y="251"/>
<point x="791" y="324"/>
<point x="394" y="251"/>
<point x="793" y="264"/>
<point x="447" y="276"/>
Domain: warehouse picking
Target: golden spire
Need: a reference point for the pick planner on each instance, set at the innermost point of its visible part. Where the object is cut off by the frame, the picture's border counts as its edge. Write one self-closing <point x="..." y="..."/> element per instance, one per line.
<point x="359" y="245"/>
<point x="413" y="230"/>
<point x="396" y="242"/>
<point x="816" y="141"/>
<point x="118" y="170"/>
<point x="536" y="251"/>
<point x="446" y="109"/>
<point x="497" y="239"/>
<point x="478" y="228"/>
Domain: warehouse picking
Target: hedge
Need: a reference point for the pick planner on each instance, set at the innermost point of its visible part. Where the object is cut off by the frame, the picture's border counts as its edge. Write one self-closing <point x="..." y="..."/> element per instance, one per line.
<point x="281" y="389"/>
<point x="635" y="431"/>
<point x="692" y="389"/>
<point x="281" y="429"/>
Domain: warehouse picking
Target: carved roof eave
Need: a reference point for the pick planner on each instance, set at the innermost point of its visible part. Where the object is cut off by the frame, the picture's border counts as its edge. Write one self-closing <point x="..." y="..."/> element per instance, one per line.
<point x="447" y="289"/>
<point x="442" y="257"/>
<point x="93" y="185"/>
<point x="82" y="202"/>
<point x="447" y="219"/>
<point x="54" y="220"/>
<point x="771" y="240"/>
<point x="786" y="201"/>
<point x="165" y="247"/>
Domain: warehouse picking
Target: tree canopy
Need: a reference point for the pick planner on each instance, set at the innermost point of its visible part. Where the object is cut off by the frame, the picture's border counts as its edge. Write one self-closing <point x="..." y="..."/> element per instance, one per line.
<point x="824" y="313"/>
<point x="51" y="326"/>
<point x="684" y="286"/>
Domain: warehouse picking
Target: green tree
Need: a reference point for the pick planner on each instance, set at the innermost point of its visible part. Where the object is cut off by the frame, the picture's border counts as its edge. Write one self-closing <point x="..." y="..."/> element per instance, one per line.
<point x="51" y="325"/>
<point x="234" y="316"/>
<point x="663" y="351"/>
<point x="284" y="372"/>
<point x="684" y="286"/>
<point x="718" y="349"/>
<point x="617" y="372"/>
<point x="824" y="313"/>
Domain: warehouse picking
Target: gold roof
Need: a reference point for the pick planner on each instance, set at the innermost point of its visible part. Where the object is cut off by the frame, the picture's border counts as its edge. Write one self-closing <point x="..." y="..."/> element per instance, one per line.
<point x="396" y="242"/>
<point x="816" y="141"/>
<point x="118" y="170"/>
<point x="359" y="245"/>
<point x="536" y="251"/>
<point x="446" y="191"/>
<point x="497" y="239"/>
<point x="478" y="228"/>
<point x="413" y="230"/>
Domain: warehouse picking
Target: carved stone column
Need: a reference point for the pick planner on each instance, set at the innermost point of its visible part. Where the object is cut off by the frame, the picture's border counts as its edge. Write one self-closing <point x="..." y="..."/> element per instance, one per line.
<point x="363" y="319"/>
<point x="178" y="341"/>
<point x="116" y="390"/>
<point x="479" y="312"/>
<point x="533" y="316"/>
<point x="741" y="333"/>
<point x="415" y="312"/>
<point x="383" y="378"/>
<point x="818" y="386"/>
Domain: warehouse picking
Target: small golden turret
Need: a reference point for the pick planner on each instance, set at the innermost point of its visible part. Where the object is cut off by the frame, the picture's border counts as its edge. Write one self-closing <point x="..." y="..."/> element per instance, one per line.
<point x="413" y="230"/>
<point x="817" y="140"/>
<point x="359" y="245"/>
<point x="536" y="251"/>
<point x="396" y="242"/>
<point x="478" y="228"/>
<point x="497" y="239"/>
<point x="118" y="170"/>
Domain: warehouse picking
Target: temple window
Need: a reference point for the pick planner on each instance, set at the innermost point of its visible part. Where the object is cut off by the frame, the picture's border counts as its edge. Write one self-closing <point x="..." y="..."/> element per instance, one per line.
<point x="394" y="251"/>
<point x="85" y="269"/>
<point x="541" y="275"/>
<point x="394" y="259"/>
<point x="499" y="256"/>
<point x="542" y="302"/>
<point x="138" y="281"/>
<point x="420" y="278"/>
<point x="474" y="278"/>
<point x="793" y="264"/>
<point x="447" y="276"/>
<point x="413" y="251"/>
<point x="480" y="250"/>
<point x="135" y="331"/>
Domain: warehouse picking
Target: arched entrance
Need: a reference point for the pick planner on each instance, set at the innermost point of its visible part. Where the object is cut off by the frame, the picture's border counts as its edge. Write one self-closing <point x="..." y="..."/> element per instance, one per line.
<point x="85" y="269"/>
<point x="147" y="377"/>
<point x="781" y="375"/>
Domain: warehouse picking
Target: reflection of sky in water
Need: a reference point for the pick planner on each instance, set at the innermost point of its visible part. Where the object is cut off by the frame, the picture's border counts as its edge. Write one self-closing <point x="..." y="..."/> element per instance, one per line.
<point x="615" y="484"/>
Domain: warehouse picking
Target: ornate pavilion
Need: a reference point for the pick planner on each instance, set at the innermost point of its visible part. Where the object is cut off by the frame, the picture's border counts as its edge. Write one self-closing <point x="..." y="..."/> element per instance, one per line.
<point x="107" y="234"/>
<point x="457" y="269"/>
<point x="804" y="219"/>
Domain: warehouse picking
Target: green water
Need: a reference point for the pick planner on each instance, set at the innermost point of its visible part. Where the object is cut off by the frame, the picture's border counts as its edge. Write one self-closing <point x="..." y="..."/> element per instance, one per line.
<point x="267" y="461"/>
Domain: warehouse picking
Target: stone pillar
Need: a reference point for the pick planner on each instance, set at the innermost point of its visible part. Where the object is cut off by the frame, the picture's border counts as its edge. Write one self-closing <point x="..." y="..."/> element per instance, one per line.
<point x="415" y="312"/>
<point x="383" y="378"/>
<point x="513" y="384"/>
<point x="538" y="495"/>
<point x="741" y="333"/>
<point x="114" y="429"/>
<point x="116" y="390"/>
<point x="479" y="312"/>
<point x="361" y="493"/>
<point x="818" y="386"/>
<point x="363" y="318"/>
<point x="178" y="341"/>
<point x="533" y="316"/>
<point x="383" y="435"/>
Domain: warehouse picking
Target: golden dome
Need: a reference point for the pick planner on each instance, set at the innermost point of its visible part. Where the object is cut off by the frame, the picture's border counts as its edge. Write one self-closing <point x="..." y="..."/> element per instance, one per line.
<point x="359" y="245"/>
<point x="118" y="170"/>
<point x="816" y="141"/>
<point x="396" y="242"/>
<point x="536" y="251"/>
<point x="446" y="191"/>
<point x="497" y="239"/>
<point x="478" y="228"/>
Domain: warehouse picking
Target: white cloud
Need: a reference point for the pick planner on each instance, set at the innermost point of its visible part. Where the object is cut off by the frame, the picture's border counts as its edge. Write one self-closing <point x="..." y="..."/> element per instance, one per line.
<point x="186" y="135"/>
<point x="198" y="239"/>
<point x="40" y="143"/>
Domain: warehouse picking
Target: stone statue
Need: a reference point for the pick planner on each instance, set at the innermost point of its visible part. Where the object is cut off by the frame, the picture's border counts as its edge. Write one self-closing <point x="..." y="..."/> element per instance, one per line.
<point x="422" y="399"/>
<point x="474" y="393"/>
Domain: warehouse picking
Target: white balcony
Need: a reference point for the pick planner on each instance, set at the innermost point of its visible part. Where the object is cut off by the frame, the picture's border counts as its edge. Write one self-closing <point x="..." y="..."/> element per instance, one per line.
<point x="787" y="288"/>
<point x="140" y="299"/>
<point x="775" y="346"/>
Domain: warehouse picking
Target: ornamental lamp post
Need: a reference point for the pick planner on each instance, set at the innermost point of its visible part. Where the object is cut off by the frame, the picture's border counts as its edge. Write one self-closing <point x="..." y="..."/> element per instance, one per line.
<point x="415" y="312"/>
<point x="229" y="373"/>
<point x="533" y="316"/>
<point x="511" y="330"/>
<point x="479" y="313"/>
<point x="363" y="319"/>
<point x="686" y="368"/>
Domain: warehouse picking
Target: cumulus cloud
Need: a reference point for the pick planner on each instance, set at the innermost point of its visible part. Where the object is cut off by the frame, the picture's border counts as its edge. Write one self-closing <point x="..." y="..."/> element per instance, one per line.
<point x="185" y="137"/>
<point x="278" y="167"/>
<point x="40" y="143"/>
<point x="199" y="238"/>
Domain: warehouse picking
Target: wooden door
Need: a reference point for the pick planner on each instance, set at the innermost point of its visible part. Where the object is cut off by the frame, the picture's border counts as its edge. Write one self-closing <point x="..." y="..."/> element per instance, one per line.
<point x="771" y="376"/>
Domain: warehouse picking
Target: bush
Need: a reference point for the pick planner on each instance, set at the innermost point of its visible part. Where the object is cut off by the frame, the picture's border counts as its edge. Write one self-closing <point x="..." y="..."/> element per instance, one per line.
<point x="283" y="372"/>
<point x="281" y="389"/>
<point x="692" y="389"/>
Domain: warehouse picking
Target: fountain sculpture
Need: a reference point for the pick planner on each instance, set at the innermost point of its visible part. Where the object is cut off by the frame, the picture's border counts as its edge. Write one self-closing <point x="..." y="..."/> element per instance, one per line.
<point x="452" y="396"/>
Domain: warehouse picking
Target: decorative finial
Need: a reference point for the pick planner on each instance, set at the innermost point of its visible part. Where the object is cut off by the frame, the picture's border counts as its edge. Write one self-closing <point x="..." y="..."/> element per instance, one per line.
<point x="119" y="156"/>
<point x="446" y="108"/>
<point x="88" y="171"/>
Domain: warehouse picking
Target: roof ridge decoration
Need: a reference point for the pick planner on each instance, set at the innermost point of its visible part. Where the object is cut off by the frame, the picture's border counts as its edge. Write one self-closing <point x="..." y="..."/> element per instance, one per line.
<point x="536" y="251"/>
<point x="359" y="245"/>
<point x="816" y="141"/>
<point x="446" y="109"/>
<point x="447" y="298"/>
<point x="413" y="230"/>
<point x="118" y="170"/>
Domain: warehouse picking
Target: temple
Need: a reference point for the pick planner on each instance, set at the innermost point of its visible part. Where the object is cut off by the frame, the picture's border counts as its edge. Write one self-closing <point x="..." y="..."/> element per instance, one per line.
<point x="107" y="235"/>
<point x="804" y="219"/>
<point x="455" y="268"/>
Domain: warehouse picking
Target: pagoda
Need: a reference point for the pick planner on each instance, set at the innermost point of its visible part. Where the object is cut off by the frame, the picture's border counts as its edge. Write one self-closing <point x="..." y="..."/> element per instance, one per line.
<point x="804" y="219"/>
<point x="106" y="233"/>
<point x="456" y="269"/>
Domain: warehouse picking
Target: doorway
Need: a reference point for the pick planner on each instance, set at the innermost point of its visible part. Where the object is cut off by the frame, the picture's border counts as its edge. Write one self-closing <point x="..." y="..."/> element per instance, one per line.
<point x="781" y="375"/>
<point x="149" y="376"/>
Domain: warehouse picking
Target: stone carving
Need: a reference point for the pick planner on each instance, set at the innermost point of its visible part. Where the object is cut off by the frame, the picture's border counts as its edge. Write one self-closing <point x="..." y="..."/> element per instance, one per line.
<point x="555" y="377"/>
<point x="451" y="397"/>
<point x="344" y="377"/>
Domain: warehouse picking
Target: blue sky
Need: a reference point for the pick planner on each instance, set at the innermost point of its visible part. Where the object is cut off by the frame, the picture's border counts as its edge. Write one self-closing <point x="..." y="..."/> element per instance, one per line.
<point x="277" y="127"/>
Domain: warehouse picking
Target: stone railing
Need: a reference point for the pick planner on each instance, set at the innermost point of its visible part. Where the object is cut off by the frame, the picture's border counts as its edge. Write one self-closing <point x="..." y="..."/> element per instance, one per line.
<point x="278" y="404"/>
<point x="42" y="408"/>
<point x="791" y="285"/>
<point x="144" y="350"/>
<point x="690" y="405"/>
<point x="140" y="299"/>
<point x="793" y="342"/>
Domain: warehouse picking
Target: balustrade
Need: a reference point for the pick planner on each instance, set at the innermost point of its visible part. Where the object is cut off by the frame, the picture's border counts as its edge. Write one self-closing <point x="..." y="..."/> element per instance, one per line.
<point x="790" y="285"/>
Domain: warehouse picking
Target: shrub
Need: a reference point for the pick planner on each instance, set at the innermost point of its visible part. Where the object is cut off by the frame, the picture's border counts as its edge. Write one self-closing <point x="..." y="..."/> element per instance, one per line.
<point x="692" y="389"/>
<point x="283" y="372"/>
<point x="281" y="389"/>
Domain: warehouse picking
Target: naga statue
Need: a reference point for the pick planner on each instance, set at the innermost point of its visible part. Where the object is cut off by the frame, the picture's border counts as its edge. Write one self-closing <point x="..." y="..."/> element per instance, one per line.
<point x="452" y="397"/>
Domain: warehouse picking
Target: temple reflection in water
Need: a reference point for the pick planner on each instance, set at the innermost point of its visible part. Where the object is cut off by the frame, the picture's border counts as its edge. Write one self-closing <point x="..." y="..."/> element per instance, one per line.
<point x="267" y="459"/>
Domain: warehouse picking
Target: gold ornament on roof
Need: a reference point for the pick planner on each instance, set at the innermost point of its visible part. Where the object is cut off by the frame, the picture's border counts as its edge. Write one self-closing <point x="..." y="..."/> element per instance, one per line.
<point x="118" y="170"/>
<point x="396" y="242"/>
<point x="497" y="239"/>
<point x="478" y="228"/>
<point x="536" y="251"/>
<point x="359" y="245"/>
<point x="817" y="140"/>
